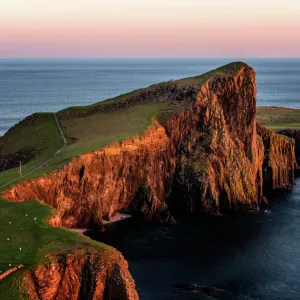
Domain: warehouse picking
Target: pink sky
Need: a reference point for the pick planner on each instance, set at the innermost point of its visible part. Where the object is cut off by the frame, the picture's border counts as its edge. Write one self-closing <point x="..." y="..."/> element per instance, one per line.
<point x="169" y="28"/>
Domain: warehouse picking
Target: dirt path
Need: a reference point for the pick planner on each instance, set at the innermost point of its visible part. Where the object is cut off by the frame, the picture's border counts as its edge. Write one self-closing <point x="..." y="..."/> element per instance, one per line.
<point x="44" y="163"/>
<point x="9" y="271"/>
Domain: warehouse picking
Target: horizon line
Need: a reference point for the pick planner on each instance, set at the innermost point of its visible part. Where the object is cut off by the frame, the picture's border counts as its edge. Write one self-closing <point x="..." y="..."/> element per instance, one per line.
<point x="239" y="57"/>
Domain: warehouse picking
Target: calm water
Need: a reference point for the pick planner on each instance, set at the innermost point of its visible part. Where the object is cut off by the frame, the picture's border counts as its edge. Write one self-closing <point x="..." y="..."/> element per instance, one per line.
<point x="28" y="86"/>
<point x="249" y="256"/>
<point x="252" y="257"/>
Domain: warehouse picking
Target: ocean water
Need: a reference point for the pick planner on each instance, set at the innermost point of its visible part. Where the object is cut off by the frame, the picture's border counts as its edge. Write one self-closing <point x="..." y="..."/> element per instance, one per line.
<point x="250" y="257"/>
<point x="28" y="86"/>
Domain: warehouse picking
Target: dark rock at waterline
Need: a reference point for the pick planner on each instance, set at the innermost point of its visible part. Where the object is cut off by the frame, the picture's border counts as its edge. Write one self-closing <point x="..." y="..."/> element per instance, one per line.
<point x="199" y="288"/>
<point x="210" y="292"/>
<point x="295" y="134"/>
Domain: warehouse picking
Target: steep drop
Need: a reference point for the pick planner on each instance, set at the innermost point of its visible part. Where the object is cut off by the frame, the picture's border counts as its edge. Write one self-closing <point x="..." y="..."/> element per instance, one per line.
<point x="208" y="157"/>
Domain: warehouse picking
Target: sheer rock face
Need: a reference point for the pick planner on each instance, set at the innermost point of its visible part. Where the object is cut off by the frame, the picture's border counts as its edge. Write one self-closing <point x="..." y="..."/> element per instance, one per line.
<point x="137" y="173"/>
<point x="279" y="160"/>
<point x="81" y="276"/>
<point x="219" y="153"/>
<point x="209" y="157"/>
<point x="295" y="134"/>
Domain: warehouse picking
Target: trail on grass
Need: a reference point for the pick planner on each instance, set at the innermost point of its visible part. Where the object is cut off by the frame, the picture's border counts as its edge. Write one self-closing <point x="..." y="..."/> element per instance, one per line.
<point x="9" y="271"/>
<point x="44" y="163"/>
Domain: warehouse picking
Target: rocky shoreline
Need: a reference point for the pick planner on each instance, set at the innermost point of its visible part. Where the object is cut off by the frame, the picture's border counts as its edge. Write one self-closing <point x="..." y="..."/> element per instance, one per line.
<point x="210" y="157"/>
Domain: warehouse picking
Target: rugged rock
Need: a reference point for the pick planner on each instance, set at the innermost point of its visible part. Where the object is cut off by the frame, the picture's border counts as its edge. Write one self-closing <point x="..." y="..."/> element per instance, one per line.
<point x="164" y="92"/>
<point x="209" y="157"/>
<point x="209" y="292"/>
<point x="198" y="288"/>
<point x="294" y="134"/>
<point x="82" y="276"/>
<point x="279" y="159"/>
<point x="219" y="155"/>
<point x="137" y="172"/>
<point x="13" y="160"/>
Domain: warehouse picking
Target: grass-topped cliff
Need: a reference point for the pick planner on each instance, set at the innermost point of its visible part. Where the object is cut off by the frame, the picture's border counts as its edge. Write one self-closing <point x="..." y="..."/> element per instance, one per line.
<point x="278" y="118"/>
<point x="53" y="260"/>
<point x="36" y="139"/>
<point x="184" y="146"/>
<point x="26" y="239"/>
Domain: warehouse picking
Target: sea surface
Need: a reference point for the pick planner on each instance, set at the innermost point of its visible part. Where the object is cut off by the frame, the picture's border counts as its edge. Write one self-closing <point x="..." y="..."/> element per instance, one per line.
<point x="28" y="86"/>
<point x="254" y="256"/>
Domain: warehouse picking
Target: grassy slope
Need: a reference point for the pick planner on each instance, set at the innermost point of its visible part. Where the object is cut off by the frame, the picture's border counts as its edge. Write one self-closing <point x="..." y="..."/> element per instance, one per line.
<point x="278" y="118"/>
<point x="35" y="238"/>
<point x="87" y="128"/>
<point x="37" y="133"/>
<point x="84" y="134"/>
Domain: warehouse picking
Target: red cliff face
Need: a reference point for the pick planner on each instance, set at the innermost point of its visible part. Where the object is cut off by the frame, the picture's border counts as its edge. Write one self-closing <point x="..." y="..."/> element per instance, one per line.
<point x="220" y="155"/>
<point x="208" y="157"/>
<point x="279" y="160"/>
<point x="294" y="134"/>
<point x="81" y="276"/>
<point x="99" y="184"/>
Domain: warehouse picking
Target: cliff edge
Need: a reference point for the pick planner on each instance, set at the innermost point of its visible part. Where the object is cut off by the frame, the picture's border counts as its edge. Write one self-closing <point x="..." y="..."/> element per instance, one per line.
<point x="39" y="261"/>
<point x="207" y="156"/>
<point x="82" y="276"/>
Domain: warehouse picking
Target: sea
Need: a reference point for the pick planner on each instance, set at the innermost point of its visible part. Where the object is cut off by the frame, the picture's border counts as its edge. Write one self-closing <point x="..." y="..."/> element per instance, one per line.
<point x="250" y="257"/>
<point x="49" y="85"/>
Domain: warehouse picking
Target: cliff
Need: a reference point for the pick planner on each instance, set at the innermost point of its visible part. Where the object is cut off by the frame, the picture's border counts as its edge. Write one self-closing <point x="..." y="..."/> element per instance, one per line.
<point x="99" y="184"/>
<point x="219" y="154"/>
<point x="209" y="156"/>
<point x="40" y="261"/>
<point x="279" y="159"/>
<point x="293" y="134"/>
<point x="82" y="276"/>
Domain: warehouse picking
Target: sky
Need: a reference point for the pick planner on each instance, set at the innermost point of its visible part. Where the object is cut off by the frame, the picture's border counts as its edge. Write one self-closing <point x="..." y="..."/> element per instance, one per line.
<point x="149" y="28"/>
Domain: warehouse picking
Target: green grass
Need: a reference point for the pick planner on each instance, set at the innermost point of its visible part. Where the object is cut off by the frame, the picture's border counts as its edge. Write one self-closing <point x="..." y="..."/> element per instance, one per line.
<point x="224" y="71"/>
<point x="10" y="287"/>
<point x="99" y="130"/>
<point x="84" y="134"/>
<point x="88" y="128"/>
<point x="37" y="133"/>
<point x="278" y="118"/>
<point x="35" y="238"/>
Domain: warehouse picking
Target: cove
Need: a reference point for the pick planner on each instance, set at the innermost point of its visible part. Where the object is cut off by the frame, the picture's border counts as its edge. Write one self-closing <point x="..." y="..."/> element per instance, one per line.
<point x="249" y="256"/>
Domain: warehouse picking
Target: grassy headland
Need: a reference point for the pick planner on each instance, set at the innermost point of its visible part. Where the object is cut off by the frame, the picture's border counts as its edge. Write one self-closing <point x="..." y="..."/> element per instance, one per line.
<point x="26" y="239"/>
<point x="91" y="127"/>
<point x="277" y="118"/>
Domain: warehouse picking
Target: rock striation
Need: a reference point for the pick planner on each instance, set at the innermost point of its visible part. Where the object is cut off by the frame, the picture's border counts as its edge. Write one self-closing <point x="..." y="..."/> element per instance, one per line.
<point x="293" y="134"/>
<point x="209" y="157"/>
<point x="82" y="276"/>
<point x="279" y="159"/>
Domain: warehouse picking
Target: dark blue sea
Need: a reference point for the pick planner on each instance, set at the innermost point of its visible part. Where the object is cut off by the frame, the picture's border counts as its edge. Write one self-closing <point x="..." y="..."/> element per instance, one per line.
<point x="250" y="257"/>
<point x="28" y="86"/>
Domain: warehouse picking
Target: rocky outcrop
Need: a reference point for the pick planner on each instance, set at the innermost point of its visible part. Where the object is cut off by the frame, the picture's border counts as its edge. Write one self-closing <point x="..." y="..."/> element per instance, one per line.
<point x="294" y="134"/>
<point x="137" y="172"/>
<point x="13" y="160"/>
<point x="82" y="276"/>
<point x="279" y="159"/>
<point x="209" y="157"/>
<point x="219" y="154"/>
